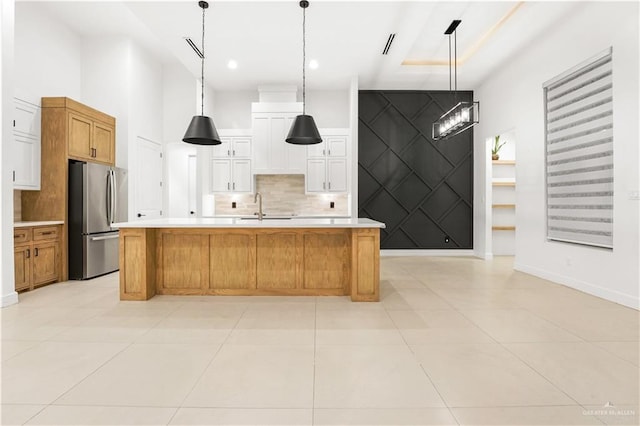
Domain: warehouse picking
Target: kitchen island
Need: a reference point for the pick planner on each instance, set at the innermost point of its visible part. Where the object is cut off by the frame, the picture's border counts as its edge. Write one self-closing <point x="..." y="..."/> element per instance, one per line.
<point x="247" y="256"/>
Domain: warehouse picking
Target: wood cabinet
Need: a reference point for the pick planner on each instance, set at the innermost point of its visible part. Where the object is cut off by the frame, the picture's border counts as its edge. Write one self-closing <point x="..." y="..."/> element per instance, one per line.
<point x="27" y="145"/>
<point x="250" y="261"/>
<point x="91" y="140"/>
<point x="327" y="164"/>
<point x="36" y="256"/>
<point x="69" y="129"/>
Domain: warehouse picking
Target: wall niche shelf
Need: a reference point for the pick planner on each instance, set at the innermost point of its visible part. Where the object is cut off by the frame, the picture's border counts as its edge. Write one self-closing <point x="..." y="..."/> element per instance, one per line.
<point x="502" y="214"/>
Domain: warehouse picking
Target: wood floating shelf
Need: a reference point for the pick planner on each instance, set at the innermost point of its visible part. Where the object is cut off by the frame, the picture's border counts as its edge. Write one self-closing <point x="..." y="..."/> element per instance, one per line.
<point x="504" y="162"/>
<point x="503" y="228"/>
<point x="504" y="206"/>
<point x="513" y="184"/>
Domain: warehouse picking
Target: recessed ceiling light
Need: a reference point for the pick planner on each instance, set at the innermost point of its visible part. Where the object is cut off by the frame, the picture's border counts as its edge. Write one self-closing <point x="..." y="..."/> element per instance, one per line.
<point x="232" y="64"/>
<point x="313" y="64"/>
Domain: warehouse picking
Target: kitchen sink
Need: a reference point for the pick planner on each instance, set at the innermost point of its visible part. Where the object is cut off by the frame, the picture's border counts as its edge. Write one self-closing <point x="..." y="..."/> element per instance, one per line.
<point x="266" y="218"/>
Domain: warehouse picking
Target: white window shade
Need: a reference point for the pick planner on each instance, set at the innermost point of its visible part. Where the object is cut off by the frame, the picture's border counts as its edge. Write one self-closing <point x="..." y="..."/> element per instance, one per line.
<point x="579" y="153"/>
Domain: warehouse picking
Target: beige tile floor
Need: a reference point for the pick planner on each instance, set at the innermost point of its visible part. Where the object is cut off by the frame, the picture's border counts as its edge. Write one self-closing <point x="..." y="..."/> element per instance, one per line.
<point x="453" y="341"/>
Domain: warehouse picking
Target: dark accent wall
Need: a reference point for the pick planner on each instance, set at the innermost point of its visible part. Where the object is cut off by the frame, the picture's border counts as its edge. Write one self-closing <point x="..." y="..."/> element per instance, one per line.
<point x="422" y="189"/>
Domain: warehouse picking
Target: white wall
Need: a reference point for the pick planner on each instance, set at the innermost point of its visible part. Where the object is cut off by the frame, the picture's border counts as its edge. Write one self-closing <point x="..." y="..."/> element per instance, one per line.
<point x="106" y="84"/>
<point x="329" y="108"/>
<point x="47" y="54"/>
<point x="512" y="99"/>
<point x="8" y="296"/>
<point x="232" y="110"/>
<point x="179" y="93"/>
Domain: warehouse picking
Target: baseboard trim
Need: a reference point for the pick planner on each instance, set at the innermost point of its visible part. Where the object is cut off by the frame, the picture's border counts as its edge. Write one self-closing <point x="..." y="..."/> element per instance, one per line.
<point x="9" y="299"/>
<point x="426" y="252"/>
<point x="592" y="289"/>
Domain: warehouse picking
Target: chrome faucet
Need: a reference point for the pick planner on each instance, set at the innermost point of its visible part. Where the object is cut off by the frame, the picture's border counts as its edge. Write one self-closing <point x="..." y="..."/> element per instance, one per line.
<point x="255" y="200"/>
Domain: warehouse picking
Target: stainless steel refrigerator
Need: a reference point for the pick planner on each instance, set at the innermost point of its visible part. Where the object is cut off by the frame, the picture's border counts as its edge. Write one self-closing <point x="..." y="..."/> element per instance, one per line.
<point x="97" y="199"/>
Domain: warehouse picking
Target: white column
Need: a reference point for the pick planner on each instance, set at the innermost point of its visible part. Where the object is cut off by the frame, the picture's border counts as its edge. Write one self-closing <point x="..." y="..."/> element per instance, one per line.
<point x="8" y="294"/>
<point x="353" y="123"/>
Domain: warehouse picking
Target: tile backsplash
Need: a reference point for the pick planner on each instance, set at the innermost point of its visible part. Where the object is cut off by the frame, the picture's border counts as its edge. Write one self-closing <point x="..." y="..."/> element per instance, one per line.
<point x="283" y="194"/>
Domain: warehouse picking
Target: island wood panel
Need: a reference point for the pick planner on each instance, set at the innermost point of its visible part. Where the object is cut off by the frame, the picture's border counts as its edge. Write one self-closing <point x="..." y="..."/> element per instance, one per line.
<point x="276" y="260"/>
<point x="326" y="259"/>
<point x="232" y="260"/>
<point x="365" y="280"/>
<point x="183" y="265"/>
<point x="137" y="264"/>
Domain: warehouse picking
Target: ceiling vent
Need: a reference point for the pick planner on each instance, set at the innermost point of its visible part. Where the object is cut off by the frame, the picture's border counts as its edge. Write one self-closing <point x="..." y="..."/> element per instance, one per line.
<point x="194" y="47"/>
<point x="388" y="45"/>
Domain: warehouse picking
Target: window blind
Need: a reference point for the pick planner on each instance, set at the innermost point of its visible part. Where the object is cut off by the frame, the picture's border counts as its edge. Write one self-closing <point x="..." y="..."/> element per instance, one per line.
<point x="579" y="153"/>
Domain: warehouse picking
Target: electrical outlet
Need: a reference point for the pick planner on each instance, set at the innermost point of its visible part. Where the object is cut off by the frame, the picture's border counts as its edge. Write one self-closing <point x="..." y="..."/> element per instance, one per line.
<point x="332" y="205"/>
<point x="233" y="204"/>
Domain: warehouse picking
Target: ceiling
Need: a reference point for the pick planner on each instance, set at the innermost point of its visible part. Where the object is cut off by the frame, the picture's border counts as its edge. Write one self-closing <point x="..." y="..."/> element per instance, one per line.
<point x="345" y="37"/>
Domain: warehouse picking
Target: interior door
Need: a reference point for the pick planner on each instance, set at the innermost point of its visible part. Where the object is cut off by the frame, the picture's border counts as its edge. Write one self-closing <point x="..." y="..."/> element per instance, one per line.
<point x="148" y="180"/>
<point x="192" y="183"/>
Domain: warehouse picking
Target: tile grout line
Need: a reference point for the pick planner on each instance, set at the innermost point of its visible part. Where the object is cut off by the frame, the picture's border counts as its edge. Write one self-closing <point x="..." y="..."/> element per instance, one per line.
<point x="181" y="405"/>
<point x="421" y="366"/>
<point x="313" y="383"/>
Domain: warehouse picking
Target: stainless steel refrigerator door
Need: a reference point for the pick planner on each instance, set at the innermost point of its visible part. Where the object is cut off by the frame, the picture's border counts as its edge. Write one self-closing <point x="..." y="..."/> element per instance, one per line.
<point x="101" y="254"/>
<point x="121" y="204"/>
<point x="96" y="193"/>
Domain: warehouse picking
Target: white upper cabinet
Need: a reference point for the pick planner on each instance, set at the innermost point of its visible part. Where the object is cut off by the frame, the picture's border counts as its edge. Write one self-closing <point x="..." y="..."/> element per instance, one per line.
<point x="231" y="162"/>
<point x="233" y="146"/>
<point x="27" y="145"/>
<point x="328" y="162"/>
<point x="271" y="153"/>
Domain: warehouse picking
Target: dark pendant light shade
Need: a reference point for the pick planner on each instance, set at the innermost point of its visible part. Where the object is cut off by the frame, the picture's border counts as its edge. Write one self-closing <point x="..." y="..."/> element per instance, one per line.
<point x="201" y="131"/>
<point x="304" y="131"/>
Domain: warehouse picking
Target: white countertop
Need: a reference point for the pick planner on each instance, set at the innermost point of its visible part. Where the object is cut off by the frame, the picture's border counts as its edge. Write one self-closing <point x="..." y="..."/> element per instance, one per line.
<point x="37" y="223"/>
<point x="206" y="222"/>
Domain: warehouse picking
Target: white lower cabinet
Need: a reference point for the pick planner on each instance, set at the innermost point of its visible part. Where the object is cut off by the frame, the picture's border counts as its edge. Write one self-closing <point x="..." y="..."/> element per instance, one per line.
<point x="328" y="175"/>
<point x="230" y="175"/>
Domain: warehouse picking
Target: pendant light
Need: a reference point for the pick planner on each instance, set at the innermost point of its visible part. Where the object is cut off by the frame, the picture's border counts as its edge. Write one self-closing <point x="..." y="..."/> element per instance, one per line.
<point x="303" y="130"/>
<point x="201" y="130"/>
<point x="463" y="115"/>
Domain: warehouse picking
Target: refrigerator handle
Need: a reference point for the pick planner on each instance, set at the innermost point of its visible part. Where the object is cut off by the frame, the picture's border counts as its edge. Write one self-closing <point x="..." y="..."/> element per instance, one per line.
<point x="109" y="199"/>
<point x="114" y="199"/>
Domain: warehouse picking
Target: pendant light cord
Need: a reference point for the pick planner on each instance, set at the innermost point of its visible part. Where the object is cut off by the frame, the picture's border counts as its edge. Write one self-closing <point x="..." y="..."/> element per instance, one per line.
<point x="304" y="58"/>
<point x="449" y="63"/>
<point x="202" y="68"/>
<point x="455" y="62"/>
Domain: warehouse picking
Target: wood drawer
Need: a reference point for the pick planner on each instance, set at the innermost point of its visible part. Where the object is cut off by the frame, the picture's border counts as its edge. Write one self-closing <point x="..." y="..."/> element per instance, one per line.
<point x="45" y="233"/>
<point x="21" y="235"/>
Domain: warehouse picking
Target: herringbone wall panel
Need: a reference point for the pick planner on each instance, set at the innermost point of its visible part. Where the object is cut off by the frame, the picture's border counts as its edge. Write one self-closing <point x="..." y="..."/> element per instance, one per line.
<point x="422" y="189"/>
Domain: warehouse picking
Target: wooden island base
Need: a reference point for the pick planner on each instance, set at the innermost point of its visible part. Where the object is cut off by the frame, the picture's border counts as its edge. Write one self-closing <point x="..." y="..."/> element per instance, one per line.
<point x="250" y="261"/>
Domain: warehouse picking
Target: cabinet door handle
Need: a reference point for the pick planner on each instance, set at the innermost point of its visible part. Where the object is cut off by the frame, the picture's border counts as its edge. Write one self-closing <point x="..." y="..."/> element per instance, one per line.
<point x="47" y="233"/>
<point x="228" y="186"/>
<point x="28" y="253"/>
<point x="140" y="214"/>
<point x="234" y="185"/>
<point x="234" y="152"/>
<point x="228" y="153"/>
<point x="36" y="250"/>
<point x="324" y="152"/>
<point x="324" y="185"/>
<point x="329" y="185"/>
